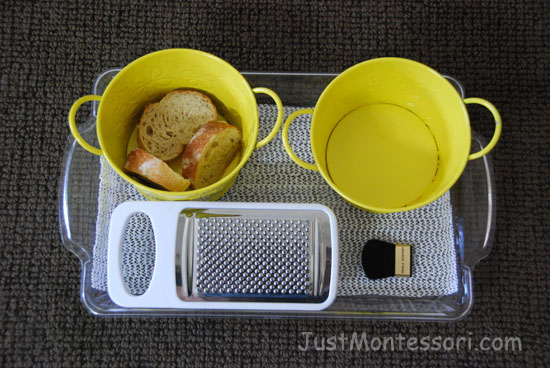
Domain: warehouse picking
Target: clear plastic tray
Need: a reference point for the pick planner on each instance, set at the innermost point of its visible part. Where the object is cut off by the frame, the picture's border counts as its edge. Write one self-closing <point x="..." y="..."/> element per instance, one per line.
<point x="473" y="200"/>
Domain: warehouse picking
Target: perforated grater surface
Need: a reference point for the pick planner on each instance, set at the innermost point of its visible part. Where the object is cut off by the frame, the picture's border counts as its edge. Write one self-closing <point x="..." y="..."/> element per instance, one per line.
<point x="232" y="256"/>
<point x="248" y="256"/>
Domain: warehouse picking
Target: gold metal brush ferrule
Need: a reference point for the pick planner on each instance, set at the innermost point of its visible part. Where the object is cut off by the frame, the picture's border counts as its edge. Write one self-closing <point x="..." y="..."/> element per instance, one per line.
<point x="403" y="260"/>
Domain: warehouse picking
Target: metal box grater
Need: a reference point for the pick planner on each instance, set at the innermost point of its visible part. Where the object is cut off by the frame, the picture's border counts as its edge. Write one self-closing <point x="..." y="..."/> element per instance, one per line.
<point x="219" y="255"/>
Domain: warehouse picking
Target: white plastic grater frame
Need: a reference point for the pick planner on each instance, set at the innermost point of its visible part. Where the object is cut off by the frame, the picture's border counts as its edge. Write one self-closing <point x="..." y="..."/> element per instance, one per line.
<point x="162" y="292"/>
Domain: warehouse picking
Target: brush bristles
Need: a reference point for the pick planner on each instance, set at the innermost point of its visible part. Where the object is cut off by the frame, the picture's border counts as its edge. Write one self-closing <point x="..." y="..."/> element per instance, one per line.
<point x="378" y="259"/>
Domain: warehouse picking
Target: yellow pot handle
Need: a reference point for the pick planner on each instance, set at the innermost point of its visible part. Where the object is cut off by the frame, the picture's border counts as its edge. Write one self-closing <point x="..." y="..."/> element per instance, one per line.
<point x="498" y="126"/>
<point x="288" y="149"/>
<point x="72" y="123"/>
<point x="280" y="114"/>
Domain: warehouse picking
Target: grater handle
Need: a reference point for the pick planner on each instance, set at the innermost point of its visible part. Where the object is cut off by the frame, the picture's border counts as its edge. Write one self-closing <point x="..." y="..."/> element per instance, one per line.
<point x="161" y="291"/>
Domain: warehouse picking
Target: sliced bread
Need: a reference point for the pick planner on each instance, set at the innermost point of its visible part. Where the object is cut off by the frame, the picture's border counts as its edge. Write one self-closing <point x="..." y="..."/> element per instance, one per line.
<point x="167" y="126"/>
<point x="154" y="171"/>
<point x="210" y="152"/>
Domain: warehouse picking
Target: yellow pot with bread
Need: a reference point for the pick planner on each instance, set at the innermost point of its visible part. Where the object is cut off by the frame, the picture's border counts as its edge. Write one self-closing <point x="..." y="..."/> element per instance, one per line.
<point x="178" y="124"/>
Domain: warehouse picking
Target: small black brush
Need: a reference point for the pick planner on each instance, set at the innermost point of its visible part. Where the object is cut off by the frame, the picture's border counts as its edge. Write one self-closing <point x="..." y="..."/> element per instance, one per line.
<point x="381" y="259"/>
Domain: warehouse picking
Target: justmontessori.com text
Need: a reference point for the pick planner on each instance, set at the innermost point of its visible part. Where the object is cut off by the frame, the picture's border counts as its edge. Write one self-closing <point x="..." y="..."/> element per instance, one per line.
<point x="363" y="342"/>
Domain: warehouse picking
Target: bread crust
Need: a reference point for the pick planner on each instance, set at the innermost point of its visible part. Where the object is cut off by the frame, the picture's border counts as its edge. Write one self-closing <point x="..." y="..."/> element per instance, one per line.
<point x="153" y="170"/>
<point x="193" y="153"/>
<point x="178" y="142"/>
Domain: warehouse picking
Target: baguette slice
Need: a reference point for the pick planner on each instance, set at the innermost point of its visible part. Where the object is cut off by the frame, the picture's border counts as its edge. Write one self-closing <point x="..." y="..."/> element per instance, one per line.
<point x="154" y="171"/>
<point x="210" y="152"/>
<point x="167" y="126"/>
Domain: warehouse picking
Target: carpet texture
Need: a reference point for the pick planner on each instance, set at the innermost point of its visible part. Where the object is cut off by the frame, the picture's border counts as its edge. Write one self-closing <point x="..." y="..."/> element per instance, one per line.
<point x="51" y="52"/>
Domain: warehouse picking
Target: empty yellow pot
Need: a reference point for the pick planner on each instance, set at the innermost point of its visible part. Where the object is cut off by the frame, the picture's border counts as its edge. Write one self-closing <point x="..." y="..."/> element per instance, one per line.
<point x="150" y="77"/>
<point x="390" y="135"/>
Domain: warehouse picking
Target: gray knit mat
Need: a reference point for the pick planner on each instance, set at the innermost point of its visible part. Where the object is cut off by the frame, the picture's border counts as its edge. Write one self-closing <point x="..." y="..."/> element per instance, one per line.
<point x="270" y="176"/>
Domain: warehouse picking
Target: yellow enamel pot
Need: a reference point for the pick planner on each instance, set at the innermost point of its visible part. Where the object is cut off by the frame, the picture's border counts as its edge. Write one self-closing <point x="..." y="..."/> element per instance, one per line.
<point x="390" y="135"/>
<point x="150" y="77"/>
